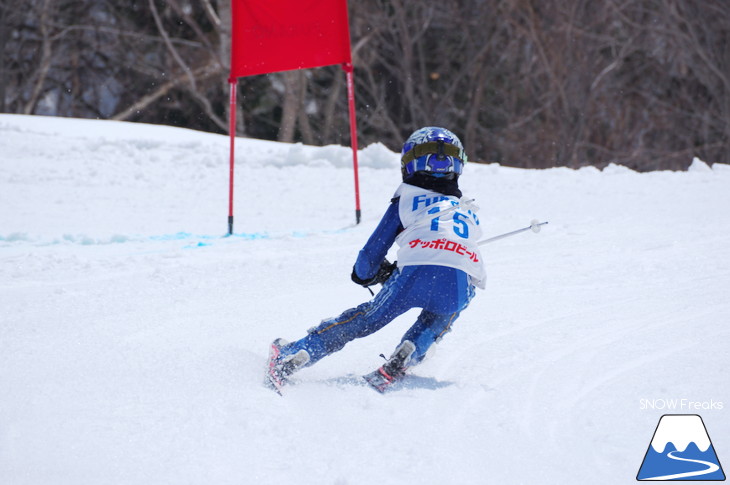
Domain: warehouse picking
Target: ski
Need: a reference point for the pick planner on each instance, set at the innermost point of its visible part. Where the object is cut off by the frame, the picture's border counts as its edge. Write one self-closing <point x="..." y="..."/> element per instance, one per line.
<point x="380" y="380"/>
<point x="274" y="380"/>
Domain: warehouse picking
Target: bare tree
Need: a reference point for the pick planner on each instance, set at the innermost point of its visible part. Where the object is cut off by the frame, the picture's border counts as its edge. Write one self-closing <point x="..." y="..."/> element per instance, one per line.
<point x="4" y="34"/>
<point x="532" y="83"/>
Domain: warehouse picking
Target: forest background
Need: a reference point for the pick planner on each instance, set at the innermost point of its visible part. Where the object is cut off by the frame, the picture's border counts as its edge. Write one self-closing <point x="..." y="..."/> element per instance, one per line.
<point x="528" y="83"/>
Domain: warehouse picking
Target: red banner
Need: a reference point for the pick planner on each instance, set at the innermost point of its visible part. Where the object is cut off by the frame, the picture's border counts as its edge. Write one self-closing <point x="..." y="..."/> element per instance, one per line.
<point x="281" y="35"/>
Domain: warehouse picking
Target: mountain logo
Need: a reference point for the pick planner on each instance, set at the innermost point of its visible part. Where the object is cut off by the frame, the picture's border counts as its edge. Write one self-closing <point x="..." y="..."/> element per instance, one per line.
<point x="681" y="450"/>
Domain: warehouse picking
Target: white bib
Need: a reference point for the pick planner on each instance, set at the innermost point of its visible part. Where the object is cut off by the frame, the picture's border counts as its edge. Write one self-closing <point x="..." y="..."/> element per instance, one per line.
<point x="438" y="231"/>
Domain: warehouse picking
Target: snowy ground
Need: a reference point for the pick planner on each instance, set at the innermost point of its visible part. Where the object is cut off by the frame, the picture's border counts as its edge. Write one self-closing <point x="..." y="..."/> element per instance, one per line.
<point x="133" y="336"/>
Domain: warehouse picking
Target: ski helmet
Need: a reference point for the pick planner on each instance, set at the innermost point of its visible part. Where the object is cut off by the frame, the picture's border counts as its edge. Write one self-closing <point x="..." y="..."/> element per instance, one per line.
<point x="433" y="150"/>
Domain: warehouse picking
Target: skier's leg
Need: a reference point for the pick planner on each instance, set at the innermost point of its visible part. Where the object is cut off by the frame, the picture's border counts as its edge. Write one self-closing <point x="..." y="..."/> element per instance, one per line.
<point x="332" y="334"/>
<point x="429" y="329"/>
<point x="449" y="292"/>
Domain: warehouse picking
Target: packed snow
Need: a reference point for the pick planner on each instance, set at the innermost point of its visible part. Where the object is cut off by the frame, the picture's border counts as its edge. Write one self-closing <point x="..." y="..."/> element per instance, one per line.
<point x="134" y="334"/>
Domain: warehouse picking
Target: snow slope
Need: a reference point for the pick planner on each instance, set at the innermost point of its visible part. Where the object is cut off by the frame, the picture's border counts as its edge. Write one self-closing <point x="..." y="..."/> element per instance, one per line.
<point x="133" y="336"/>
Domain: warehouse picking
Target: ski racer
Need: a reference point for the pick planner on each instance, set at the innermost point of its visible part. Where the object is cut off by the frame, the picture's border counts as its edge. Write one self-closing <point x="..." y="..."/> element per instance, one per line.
<point x="438" y="265"/>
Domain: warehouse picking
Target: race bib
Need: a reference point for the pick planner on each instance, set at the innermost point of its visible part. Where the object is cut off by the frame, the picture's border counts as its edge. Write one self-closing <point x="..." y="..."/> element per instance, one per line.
<point x="439" y="230"/>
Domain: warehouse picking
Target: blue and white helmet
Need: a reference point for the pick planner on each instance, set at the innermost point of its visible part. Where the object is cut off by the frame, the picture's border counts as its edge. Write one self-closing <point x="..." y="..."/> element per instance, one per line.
<point x="433" y="150"/>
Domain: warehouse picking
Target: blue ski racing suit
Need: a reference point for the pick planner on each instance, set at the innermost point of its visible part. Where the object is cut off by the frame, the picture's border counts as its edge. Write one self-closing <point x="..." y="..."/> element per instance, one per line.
<point x="438" y="267"/>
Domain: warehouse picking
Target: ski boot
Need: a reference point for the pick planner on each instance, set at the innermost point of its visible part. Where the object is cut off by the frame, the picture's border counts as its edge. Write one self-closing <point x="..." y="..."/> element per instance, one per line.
<point x="280" y="368"/>
<point x="393" y="369"/>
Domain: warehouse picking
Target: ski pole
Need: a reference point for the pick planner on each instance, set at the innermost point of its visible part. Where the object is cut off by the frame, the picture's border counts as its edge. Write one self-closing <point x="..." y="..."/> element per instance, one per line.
<point x="534" y="226"/>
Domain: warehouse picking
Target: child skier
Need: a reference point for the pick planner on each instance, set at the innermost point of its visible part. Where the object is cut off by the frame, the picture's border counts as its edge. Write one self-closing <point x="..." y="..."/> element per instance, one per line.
<point x="438" y="265"/>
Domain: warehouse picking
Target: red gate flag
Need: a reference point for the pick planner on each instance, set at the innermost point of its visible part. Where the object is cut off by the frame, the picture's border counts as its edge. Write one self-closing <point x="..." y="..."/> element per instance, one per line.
<point x="281" y="35"/>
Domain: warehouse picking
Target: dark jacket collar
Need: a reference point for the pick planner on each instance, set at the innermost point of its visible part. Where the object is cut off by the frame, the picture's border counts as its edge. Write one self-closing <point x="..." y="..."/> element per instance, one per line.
<point x="440" y="185"/>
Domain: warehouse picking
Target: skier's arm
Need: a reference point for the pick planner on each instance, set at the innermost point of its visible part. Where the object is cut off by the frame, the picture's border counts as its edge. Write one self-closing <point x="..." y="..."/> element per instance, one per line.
<point x="374" y="251"/>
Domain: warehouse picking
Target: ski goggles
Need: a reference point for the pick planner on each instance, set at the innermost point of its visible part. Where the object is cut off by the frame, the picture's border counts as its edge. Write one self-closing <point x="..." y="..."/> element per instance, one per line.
<point x="439" y="148"/>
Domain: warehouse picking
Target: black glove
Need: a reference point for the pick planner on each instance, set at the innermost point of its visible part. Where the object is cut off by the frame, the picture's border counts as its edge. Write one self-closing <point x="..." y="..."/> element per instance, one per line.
<point x="386" y="269"/>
